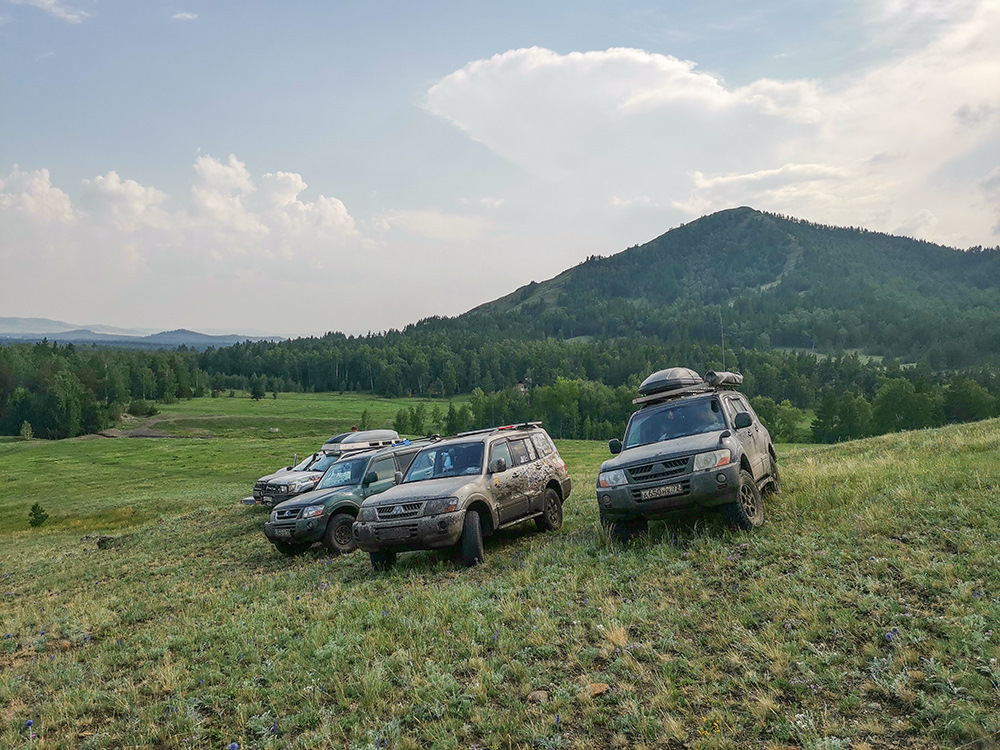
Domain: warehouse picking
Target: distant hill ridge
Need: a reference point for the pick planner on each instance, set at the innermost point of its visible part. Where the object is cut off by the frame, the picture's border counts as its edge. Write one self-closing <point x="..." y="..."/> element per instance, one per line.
<point x="769" y="281"/>
<point x="36" y="329"/>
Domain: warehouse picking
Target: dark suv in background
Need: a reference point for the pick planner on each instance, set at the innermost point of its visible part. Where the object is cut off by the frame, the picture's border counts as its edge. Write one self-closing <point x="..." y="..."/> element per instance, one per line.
<point x="693" y="443"/>
<point x="464" y="488"/>
<point x="326" y="513"/>
<point x="290" y="481"/>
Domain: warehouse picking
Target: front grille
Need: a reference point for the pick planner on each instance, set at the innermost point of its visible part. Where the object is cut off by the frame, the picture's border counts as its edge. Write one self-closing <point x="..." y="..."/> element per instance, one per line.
<point x="258" y="489"/>
<point x="289" y="514"/>
<point x="395" y="533"/>
<point x="685" y="490"/>
<point x="659" y="470"/>
<point x="274" y="489"/>
<point x="399" y="511"/>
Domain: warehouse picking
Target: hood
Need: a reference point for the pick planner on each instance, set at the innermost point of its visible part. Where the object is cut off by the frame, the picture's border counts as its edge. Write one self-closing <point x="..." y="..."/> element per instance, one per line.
<point x="682" y="446"/>
<point x="284" y="476"/>
<point x="316" y="497"/>
<point x="413" y="491"/>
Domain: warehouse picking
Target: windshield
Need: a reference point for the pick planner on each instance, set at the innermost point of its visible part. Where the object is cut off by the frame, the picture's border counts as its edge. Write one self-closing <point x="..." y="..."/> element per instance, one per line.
<point x="301" y="466"/>
<point x="343" y="473"/>
<point x="322" y="462"/>
<point x="452" y="460"/>
<point x="673" y="421"/>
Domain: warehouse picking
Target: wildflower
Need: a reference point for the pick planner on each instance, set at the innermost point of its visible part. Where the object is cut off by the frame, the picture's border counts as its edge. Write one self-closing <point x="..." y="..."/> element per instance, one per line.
<point x="234" y="746"/>
<point x="274" y="728"/>
<point x="29" y="723"/>
<point x="889" y="636"/>
<point x="558" y="719"/>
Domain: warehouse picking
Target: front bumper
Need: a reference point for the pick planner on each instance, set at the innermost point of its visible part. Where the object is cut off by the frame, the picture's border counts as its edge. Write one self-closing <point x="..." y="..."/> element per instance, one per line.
<point x="423" y="532"/>
<point x="296" y="530"/>
<point x="700" y="489"/>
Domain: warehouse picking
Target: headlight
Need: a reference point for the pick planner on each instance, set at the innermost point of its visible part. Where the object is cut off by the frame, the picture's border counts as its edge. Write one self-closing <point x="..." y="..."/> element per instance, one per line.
<point x="440" y="505"/>
<point x="281" y="489"/>
<point x="711" y="460"/>
<point x="300" y="486"/>
<point x="312" y="511"/>
<point x="367" y="513"/>
<point x="274" y="516"/>
<point x="611" y="478"/>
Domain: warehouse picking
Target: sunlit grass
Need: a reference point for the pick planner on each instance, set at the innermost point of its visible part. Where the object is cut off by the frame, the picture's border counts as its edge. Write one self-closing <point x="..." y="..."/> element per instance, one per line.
<point x="862" y="614"/>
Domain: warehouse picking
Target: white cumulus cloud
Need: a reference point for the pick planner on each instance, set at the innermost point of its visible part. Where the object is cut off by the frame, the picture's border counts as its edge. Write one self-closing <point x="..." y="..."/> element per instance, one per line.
<point x="902" y="142"/>
<point x="32" y="195"/>
<point x="185" y="16"/>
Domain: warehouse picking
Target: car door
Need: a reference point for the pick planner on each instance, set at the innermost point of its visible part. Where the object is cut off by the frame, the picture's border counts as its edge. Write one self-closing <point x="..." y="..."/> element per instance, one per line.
<point x="756" y="437"/>
<point x="507" y="492"/>
<point x="385" y="471"/>
<point x="524" y="455"/>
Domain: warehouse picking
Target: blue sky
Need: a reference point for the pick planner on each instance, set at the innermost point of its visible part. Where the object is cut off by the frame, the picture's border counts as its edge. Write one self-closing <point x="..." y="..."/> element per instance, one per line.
<point x="279" y="167"/>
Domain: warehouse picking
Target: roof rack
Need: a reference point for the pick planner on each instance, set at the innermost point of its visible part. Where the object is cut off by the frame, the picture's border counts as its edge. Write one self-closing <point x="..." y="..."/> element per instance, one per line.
<point x="485" y="430"/>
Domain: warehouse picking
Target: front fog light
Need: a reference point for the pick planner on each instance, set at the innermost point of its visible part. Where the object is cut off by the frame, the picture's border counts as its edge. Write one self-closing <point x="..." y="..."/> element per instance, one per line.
<point x="606" y="499"/>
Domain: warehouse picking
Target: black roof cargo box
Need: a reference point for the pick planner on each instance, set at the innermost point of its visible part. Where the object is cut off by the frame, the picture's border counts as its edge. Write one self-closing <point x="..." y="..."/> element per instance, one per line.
<point x="671" y="379"/>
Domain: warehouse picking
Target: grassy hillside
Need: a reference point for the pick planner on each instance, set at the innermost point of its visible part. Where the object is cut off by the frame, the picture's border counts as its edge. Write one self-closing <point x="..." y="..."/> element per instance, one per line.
<point x="769" y="277"/>
<point x="863" y="614"/>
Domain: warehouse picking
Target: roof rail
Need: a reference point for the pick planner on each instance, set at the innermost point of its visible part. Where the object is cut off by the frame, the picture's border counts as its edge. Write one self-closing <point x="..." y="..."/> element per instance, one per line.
<point x="655" y="398"/>
<point x="485" y="430"/>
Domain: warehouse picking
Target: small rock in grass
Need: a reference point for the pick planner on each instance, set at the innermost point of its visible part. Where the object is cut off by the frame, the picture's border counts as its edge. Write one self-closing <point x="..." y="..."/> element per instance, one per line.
<point x="599" y="688"/>
<point x="538" y="696"/>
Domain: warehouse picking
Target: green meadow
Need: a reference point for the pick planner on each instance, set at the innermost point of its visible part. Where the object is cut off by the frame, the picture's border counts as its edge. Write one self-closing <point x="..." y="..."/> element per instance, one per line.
<point x="863" y="614"/>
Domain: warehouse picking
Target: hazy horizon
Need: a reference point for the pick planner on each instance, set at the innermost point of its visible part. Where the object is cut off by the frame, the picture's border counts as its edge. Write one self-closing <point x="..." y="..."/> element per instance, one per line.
<point x="316" y="167"/>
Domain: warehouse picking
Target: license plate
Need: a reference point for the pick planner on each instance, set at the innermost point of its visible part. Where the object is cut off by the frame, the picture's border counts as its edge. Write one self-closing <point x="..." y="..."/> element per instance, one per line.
<point x="397" y="532"/>
<point x="282" y="532"/>
<point x="665" y="491"/>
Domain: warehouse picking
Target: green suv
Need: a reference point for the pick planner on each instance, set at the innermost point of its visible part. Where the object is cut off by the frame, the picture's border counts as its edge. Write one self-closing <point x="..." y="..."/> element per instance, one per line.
<point x="326" y="513"/>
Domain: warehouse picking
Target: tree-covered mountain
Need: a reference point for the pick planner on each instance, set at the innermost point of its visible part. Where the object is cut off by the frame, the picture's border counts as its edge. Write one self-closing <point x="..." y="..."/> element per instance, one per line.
<point x="773" y="281"/>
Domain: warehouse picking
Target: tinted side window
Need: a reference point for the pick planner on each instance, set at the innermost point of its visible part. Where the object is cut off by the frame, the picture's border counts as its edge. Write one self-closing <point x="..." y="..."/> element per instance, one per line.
<point x="744" y="406"/>
<point x="500" y="450"/>
<point x="403" y="460"/>
<point x="519" y="452"/>
<point x="384" y="467"/>
<point x="542" y="443"/>
<point x="731" y="408"/>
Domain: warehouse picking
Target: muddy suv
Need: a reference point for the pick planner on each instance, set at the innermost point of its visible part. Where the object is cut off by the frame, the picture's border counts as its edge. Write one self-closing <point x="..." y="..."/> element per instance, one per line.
<point x="693" y="443"/>
<point x="326" y="513"/>
<point x="290" y="481"/>
<point x="464" y="488"/>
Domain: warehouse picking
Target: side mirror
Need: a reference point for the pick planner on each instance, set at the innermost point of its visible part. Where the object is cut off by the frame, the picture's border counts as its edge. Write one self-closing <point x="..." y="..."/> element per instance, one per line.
<point x="615" y="446"/>
<point x="743" y="420"/>
<point x="498" y="466"/>
<point x="397" y="478"/>
<point x="370" y="478"/>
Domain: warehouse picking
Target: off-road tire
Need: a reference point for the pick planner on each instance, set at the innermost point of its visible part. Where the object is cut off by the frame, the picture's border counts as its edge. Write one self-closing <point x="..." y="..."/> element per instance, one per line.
<point x="291" y="550"/>
<point x="338" y="537"/>
<point x="552" y="515"/>
<point x="384" y="559"/>
<point x="471" y="543"/>
<point x="624" y="530"/>
<point x="747" y="512"/>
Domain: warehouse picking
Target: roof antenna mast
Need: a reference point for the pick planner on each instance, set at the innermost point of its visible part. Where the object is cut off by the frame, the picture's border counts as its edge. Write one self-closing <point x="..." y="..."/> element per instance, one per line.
<point x="723" y="331"/>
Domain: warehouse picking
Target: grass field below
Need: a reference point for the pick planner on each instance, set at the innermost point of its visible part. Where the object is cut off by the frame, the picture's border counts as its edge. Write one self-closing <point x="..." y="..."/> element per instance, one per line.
<point x="865" y="612"/>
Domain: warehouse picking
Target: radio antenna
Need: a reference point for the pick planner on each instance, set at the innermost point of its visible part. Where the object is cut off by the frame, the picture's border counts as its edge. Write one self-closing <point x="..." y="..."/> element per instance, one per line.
<point x="722" y="330"/>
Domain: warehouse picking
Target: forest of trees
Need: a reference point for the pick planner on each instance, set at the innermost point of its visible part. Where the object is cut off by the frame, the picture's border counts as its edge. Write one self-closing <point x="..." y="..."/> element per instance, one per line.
<point x="579" y="389"/>
<point x="788" y="296"/>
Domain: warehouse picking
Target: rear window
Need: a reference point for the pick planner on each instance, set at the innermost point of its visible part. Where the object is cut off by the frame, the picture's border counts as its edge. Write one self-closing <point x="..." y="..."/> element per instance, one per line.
<point x="542" y="443"/>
